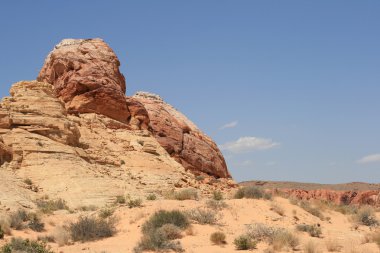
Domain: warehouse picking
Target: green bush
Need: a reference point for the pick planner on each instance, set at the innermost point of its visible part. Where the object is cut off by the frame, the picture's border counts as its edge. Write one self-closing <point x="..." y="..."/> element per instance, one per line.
<point x="18" y="245"/>
<point x="218" y="238"/>
<point x="90" y="228"/>
<point x="202" y="216"/>
<point x="17" y="219"/>
<point x="151" y="197"/>
<point x="49" y="206"/>
<point x="244" y="242"/>
<point x="366" y="216"/>
<point x="252" y="192"/>
<point x="162" y="217"/>
<point x="35" y="223"/>
<point x="106" y="212"/>
<point x="313" y="230"/>
<point x="120" y="199"/>
<point x="160" y="231"/>
<point x="217" y="195"/>
<point x="134" y="203"/>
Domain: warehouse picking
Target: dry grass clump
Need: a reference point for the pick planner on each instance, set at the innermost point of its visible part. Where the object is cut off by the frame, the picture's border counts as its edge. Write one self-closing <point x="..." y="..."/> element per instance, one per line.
<point x="366" y="216"/>
<point x="120" y="199"/>
<point x="279" y="238"/>
<point x="61" y="236"/>
<point x="244" y="242"/>
<point x="202" y="216"/>
<point x="218" y="238"/>
<point x="184" y="194"/>
<point x="106" y="212"/>
<point x="216" y="205"/>
<point x="49" y="206"/>
<point x="35" y="223"/>
<point x="151" y="197"/>
<point x="313" y="230"/>
<point x="333" y="245"/>
<point x="21" y="219"/>
<point x="252" y="192"/>
<point x="134" y="203"/>
<point x="28" y="246"/>
<point x="17" y="219"/>
<point x="311" y="247"/>
<point x="217" y="195"/>
<point x="90" y="228"/>
<point x="311" y="209"/>
<point x="275" y="207"/>
<point x="161" y="229"/>
<point x="283" y="238"/>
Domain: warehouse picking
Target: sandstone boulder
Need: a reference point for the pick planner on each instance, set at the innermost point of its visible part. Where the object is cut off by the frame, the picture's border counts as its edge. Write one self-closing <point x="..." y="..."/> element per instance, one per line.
<point x="86" y="76"/>
<point x="182" y="139"/>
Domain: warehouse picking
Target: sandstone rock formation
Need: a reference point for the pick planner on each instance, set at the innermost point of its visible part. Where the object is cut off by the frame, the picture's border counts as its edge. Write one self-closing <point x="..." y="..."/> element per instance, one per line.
<point x="182" y="139"/>
<point x="86" y="76"/>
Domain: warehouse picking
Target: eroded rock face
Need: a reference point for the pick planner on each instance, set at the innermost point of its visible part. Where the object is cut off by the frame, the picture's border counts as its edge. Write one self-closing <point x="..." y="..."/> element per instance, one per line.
<point x="86" y="76"/>
<point x="337" y="197"/>
<point x="6" y="153"/>
<point x="34" y="107"/>
<point x="182" y="139"/>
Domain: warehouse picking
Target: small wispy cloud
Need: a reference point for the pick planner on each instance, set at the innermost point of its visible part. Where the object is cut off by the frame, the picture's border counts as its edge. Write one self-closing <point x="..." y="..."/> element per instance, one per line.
<point x="370" y="159"/>
<point x="250" y="143"/>
<point x="229" y="125"/>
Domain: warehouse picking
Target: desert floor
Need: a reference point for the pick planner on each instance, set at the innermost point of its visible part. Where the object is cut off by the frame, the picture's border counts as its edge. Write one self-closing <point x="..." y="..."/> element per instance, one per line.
<point x="232" y="220"/>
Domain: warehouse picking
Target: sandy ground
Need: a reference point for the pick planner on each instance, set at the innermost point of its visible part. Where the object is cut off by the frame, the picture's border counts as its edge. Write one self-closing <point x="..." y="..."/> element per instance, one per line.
<point x="232" y="221"/>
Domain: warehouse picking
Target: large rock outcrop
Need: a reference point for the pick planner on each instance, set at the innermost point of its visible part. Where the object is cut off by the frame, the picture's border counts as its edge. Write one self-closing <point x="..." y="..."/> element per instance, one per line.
<point x="182" y="139"/>
<point x="86" y="76"/>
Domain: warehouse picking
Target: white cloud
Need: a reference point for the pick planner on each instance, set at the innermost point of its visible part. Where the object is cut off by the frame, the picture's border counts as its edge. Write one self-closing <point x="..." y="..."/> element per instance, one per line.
<point x="229" y="125"/>
<point x="245" y="144"/>
<point x="370" y="159"/>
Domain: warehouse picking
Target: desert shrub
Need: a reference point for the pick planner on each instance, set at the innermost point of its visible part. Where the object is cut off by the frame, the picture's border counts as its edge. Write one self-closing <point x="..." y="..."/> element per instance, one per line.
<point x="244" y="242"/>
<point x="2" y="233"/>
<point x="366" y="216"/>
<point x="120" y="199"/>
<point x="186" y="194"/>
<point x="311" y="247"/>
<point x="275" y="207"/>
<point x="163" y="217"/>
<point x="5" y="225"/>
<point x="283" y="238"/>
<point x="17" y="219"/>
<point x="61" y="236"/>
<point x="151" y="197"/>
<point x="35" y="223"/>
<point x="46" y="238"/>
<point x="49" y="206"/>
<point x="332" y="245"/>
<point x="252" y="192"/>
<point x="161" y="229"/>
<point x="88" y="208"/>
<point x="313" y="230"/>
<point x="218" y="238"/>
<point x="170" y="231"/>
<point x="134" y="203"/>
<point x="90" y="228"/>
<point x="217" y="195"/>
<point x="310" y="209"/>
<point x="345" y="209"/>
<point x="215" y="205"/>
<point x="28" y="181"/>
<point x="106" y="212"/>
<point x="260" y="232"/>
<point x="202" y="216"/>
<point x="25" y="246"/>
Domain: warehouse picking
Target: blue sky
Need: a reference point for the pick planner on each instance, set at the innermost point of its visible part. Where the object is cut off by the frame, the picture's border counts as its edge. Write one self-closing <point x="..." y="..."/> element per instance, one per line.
<point x="290" y="90"/>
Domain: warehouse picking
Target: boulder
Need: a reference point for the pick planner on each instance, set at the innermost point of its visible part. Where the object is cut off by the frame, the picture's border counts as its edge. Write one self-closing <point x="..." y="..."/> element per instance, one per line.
<point x="85" y="75"/>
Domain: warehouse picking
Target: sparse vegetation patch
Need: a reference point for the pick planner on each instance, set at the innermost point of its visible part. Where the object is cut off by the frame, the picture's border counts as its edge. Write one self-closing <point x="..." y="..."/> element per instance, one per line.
<point x="252" y="192"/>
<point x="90" y="228"/>
<point x="17" y="245"/>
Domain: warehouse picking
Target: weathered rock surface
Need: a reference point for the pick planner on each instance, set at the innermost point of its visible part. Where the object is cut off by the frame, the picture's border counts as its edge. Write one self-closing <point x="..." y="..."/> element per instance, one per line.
<point x="182" y="139"/>
<point x="86" y="76"/>
<point x="337" y="197"/>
